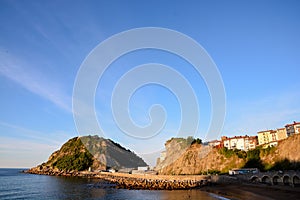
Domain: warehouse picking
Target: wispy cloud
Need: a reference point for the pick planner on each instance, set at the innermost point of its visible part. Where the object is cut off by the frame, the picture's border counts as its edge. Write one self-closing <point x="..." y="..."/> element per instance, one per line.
<point x="33" y="80"/>
<point x="15" y="144"/>
<point x="268" y="113"/>
<point x="15" y="152"/>
<point x="25" y="147"/>
<point x="50" y="138"/>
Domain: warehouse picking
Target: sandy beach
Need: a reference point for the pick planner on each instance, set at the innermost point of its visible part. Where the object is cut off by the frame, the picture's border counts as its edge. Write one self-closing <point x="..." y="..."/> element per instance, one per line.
<point x="253" y="192"/>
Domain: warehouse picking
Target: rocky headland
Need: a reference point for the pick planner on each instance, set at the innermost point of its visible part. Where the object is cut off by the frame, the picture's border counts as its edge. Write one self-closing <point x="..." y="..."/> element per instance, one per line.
<point x="82" y="153"/>
<point x="184" y="165"/>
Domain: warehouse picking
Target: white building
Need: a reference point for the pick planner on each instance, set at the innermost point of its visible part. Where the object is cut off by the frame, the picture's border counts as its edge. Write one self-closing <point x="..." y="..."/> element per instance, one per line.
<point x="143" y="168"/>
<point x="214" y="143"/>
<point x="244" y="143"/>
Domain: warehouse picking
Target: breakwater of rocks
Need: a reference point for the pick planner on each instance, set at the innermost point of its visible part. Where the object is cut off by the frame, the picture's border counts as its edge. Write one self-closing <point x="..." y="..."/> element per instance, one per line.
<point x="154" y="182"/>
<point x="42" y="170"/>
<point x="135" y="181"/>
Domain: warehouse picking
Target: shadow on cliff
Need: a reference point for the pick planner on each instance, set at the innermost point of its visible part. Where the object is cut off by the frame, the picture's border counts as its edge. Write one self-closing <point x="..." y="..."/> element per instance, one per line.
<point x="284" y="164"/>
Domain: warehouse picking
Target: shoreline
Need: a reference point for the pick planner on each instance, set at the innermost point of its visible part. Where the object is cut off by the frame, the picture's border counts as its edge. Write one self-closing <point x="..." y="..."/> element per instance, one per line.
<point x="230" y="190"/>
<point x="246" y="191"/>
<point x="136" y="181"/>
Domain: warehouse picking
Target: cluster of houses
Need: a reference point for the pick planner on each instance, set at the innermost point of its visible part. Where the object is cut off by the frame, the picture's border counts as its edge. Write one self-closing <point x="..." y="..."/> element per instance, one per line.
<point x="267" y="138"/>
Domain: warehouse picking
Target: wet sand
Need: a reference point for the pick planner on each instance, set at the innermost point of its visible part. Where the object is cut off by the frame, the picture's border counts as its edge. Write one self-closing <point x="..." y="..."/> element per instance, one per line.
<point x="255" y="192"/>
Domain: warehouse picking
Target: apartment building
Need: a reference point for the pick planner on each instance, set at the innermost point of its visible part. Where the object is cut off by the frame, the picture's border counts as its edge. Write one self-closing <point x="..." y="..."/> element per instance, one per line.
<point x="244" y="143"/>
<point x="271" y="137"/>
<point x="215" y="143"/>
<point x="293" y="128"/>
<point x="263" y="137"/>
<point x="251" y="142"/>
<point x="281" y="134"/>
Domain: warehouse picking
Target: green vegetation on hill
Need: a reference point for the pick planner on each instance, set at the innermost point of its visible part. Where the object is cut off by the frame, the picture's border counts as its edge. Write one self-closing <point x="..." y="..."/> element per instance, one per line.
<point x="254" y="159"/>
<point x="202" y="159"/>
<point x="230" y="152"/>
<point x="75" y="156"/>
<point x="186" y="142"/>
<point x="80" y="153"/>
<point x="78" y="161"/>
<point x="197" y="141"/>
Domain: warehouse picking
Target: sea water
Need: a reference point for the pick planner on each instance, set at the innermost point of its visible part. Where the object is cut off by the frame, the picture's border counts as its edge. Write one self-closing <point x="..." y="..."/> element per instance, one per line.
<point x="17" y="185"/>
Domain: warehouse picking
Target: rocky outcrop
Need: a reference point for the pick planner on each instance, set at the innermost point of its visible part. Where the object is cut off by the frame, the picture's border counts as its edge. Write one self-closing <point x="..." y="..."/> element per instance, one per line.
<point x="46" y="170"/>
<point x="287" y="149"/>
<point x="111" y="154"/>
<point x="175" y="147"/>
<point x="200" y="159"/>
<point x="81" y="153"/>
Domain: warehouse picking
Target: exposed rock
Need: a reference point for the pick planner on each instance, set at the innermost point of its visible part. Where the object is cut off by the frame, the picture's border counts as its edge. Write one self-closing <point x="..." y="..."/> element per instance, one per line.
<point x="154" y="182"/>
<point x="198" y="159"/>
<point x="287" y="149"/>
<point x="175" y="148"/>
<point x="80" y="153"/>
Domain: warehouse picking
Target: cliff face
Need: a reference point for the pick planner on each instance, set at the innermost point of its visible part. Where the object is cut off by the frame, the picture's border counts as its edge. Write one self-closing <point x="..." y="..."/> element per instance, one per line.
<point x="175" y="147"/>
<point x="110" y="154"/>
<point x="199" y="159"/>
<point x="286" y="150"/>
<point x="80" y="153"/>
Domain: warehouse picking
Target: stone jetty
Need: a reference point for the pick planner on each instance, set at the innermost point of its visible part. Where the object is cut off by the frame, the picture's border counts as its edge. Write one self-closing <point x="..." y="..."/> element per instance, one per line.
<point x="135" y="181"/>
<point x="154" y="182"/>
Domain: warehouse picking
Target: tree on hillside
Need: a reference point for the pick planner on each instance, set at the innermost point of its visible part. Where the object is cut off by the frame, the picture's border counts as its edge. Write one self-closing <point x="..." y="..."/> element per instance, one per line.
<point x="197" y="141"/>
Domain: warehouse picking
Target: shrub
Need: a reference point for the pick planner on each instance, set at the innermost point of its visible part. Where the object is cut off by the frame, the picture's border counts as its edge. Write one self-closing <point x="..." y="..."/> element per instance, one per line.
<point x="80" y="161"/>
<point x="73" y="156"/>
<point x="196" y="141"/>
<point x="267" y="151"/>
<point x="253" y="154"/>
<point x="240" y="153"/>
<point x="226" y="152"/>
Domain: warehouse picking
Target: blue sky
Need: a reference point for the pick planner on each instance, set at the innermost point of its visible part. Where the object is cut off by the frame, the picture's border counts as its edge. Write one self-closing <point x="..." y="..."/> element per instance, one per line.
<point x="255" y="46"/>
